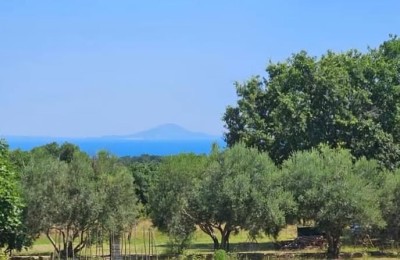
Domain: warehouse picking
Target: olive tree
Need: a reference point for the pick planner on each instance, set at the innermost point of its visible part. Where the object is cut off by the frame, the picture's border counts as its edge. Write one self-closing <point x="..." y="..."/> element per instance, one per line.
<point x="75" y="197"/>
<point x="174" y="183"/>
<point x="235" y="189"/>
<point x="332" y="192"/>
<point x="390" y="206"/>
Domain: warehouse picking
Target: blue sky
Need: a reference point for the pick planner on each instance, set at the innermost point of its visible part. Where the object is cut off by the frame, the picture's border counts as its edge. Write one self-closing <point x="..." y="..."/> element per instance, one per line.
<point x="95" y="67"/>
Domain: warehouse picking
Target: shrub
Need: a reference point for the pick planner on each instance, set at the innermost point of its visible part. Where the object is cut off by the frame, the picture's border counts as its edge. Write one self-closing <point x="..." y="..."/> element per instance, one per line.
<point x="220" y="255"/>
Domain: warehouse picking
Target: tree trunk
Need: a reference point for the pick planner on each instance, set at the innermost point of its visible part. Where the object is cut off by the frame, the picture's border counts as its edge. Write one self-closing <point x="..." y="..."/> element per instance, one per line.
<point x="206" y="228"/>
<point x="333" y="246"/>
<point x="67" y="251"/>
<point x="216" y="242"/>
<point x="225" y="240"/>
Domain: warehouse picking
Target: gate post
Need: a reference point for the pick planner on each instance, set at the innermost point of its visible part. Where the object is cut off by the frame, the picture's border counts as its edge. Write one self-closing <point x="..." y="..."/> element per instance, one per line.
<point x="115" y="247"/>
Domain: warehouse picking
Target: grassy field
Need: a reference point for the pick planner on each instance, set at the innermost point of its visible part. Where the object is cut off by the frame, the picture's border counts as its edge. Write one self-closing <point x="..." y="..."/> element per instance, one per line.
<point x="139" y="242"/>
<point x="201" y="244"/>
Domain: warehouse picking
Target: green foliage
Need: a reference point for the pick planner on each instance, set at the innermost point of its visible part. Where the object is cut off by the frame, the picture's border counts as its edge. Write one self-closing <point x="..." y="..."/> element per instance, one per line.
<point x="77" y="195"/>
<point x="346" y="99"/>
<point x="19" y="159"/>
<point x="143" y="170"/>
<point x="333" y="192"/>
<point x="220" y="254"/>
<point x="240" y="190"/>
<point x="180" y="233"/>
<point x="390" y="206"/>
<point x="64" y="152"/>
<point x="228" y="191"/>
<point x="120" y="206"/>
<point x="12" y="235"/>
<point x="168" y="199"/>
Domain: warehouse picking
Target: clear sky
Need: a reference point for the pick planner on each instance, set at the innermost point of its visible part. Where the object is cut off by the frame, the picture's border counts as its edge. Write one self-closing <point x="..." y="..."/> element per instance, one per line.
<point x="96" y="67"/>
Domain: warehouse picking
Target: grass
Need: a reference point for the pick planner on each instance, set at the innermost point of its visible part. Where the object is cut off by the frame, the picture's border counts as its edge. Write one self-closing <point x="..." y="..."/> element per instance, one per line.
<point x="201" y="242"/>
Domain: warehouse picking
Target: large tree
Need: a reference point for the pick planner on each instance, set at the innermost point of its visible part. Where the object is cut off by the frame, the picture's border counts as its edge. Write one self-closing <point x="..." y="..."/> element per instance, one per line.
<point x="333" y="192"/>
<point x="236" y="189"/>
<point x="348" y="99"/>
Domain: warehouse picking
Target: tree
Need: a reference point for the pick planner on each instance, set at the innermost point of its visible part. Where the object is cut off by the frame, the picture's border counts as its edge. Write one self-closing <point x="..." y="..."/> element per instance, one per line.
<point x="346" y="99"/>
<point x="76" y="197"/>
<point x="120" y="205"/>
<point x="390" y="207"/>
<point x="333" y="192"/>
<point x="143" y="170"/>
<point x="19" y="159"/>
<point x="240" y="190"/>
<point x="231" y="190"/>
<point x="60" y="199"/>
<point x="174" y="183"/>
<point x="64" y="152"/>
<point x="12" y="233"/>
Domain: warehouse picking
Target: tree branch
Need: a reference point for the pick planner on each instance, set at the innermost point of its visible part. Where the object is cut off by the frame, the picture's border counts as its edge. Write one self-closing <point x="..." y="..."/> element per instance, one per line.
<point x="82" y="242"/>
<point x="52" y="241"/>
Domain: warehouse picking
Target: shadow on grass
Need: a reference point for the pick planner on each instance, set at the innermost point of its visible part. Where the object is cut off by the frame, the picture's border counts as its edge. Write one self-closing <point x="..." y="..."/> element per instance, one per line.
<point x="234" y="247"/>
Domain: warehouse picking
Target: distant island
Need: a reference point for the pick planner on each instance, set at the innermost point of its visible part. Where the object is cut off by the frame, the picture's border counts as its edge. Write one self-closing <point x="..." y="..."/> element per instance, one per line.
<point x="167" y="132"/>
<point x="166" y="139"/>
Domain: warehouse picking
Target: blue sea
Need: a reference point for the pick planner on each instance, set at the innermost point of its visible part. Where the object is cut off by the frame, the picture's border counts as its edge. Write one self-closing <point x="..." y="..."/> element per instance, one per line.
<point x="122" y="147"/>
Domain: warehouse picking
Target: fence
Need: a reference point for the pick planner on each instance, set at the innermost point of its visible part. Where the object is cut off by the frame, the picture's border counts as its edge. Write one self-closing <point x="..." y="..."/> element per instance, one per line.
<point x="132" y="245"/>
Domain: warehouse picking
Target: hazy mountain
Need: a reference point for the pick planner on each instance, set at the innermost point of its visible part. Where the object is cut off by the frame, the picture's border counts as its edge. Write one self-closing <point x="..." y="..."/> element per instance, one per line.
<point x="163" y="132"/>
<point x="170" y="132"/>
<point x="163" y="140"/>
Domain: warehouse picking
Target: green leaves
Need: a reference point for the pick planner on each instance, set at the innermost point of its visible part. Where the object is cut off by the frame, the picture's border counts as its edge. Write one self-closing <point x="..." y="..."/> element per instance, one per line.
<point x="169" y="196"/>
<point x="244" y="193"/>
<point x="390" y="206"/>
<point x="120" y="207"/>
<point x="238" y="188"/>
<point x="78" y="194"/>
<point x="11" y="205"/>
<point x="343" y="99"/>
<point x="332" y="191"/>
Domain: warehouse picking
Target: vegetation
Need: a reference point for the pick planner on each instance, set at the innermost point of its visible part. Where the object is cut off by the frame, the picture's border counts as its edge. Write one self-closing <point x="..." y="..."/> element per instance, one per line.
<point x="390" y="207"/>
<point x="223" y="193"/>
<point x="143" y="169"/>
<point x="12" y="235"/>
<point x="330" y="191"/>
<point x="77" y="196"/>
<point x="220" y="254"/>
<point x="315" y="143"/>
<point x="348" y="100"/>
<point x="169" y="197"/>
<point x="238" y="191"/>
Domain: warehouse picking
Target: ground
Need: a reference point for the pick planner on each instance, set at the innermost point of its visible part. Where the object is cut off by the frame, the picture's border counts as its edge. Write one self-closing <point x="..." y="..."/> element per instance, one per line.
<point x="201" y="244"/>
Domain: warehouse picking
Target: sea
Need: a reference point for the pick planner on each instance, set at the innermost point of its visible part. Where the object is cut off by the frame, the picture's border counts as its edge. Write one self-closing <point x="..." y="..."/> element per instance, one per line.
<point x="121" y="147"/>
